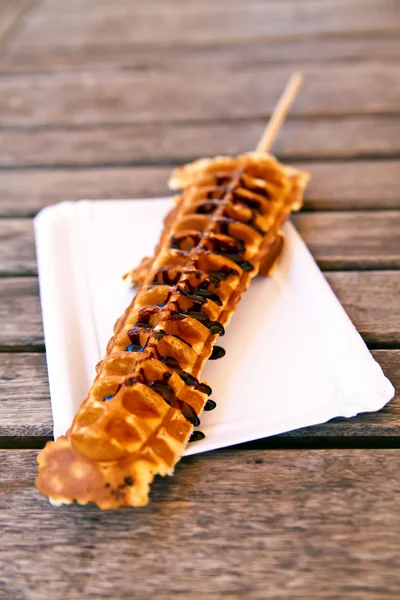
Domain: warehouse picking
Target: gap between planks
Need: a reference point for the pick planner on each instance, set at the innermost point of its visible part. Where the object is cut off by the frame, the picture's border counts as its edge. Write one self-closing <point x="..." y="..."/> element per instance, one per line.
<point x="109" y="146"/>
<point x="345" y="185"/>
<point x="204" y="23"/>
<point x="296" y="54"/>
<point x="359" y="240"/>
<point x="224" y="521"/>
<point x="112" y="96"/>
<point x="173" y="163"/>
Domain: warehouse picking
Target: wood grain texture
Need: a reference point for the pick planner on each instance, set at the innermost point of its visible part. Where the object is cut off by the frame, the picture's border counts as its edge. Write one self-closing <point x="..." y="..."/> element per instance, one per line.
<point x="98" y="99"/>
<point x="340" y="185"/>
<point x="296" y="53"/>
<point x="348" y="185"/>
<point x="357" y="240"/>
<point x="339" y="240"/>
<point x="24" y="193"/>
<point x="370" y="298"/>
<point x="17" y="247"/>
<point x="20" y="317"/>
<point x="122" y="97"/>
<point x="24" y="396"/>
<point x="249" y="524"/>
<point x="202" y="23"/>
<point x="25" y="414"/>
<point x="172" y="143"/>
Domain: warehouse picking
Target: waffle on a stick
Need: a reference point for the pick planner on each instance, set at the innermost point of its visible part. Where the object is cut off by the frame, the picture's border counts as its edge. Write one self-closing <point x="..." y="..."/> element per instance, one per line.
<point x="147" y="396"/>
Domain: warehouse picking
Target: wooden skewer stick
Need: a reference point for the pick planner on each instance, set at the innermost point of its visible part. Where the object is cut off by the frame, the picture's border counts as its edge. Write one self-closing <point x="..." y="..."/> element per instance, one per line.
<point x="279" y="113"/>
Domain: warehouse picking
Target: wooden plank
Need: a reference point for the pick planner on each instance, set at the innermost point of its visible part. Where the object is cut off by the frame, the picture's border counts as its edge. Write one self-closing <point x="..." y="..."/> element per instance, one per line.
<point x="352" y="185"/>
<point x="359" y="240"/>
<point x="334" y="185"/>
<point x="123" y="97"/>
<point x="25" y="398"/>
<point x="203" y="23"/>
<point x="295" y="52"/>
<point x="20" y="317"/>
<point x="284" y="521"/>
<point x="25" y="409"/>
<point x="300" y="139"/>
<point x="17" y="248"/>
<point x="370" y="298"/>
<point x="23" y="193"/>
<point x="50" y="9"/>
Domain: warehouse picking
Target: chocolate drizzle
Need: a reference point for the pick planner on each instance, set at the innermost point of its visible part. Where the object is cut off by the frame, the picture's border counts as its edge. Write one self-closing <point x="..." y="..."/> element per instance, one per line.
<point x="167" y="394"/>
<point x="173" y="364"/>
<point x="205" y="208"/>
<point x="196" y="436"/>
<point x="215" y="327"/>
<point x="194" y="292"/>
<point x="210" y="405"/>
<point x="218" y="352"/>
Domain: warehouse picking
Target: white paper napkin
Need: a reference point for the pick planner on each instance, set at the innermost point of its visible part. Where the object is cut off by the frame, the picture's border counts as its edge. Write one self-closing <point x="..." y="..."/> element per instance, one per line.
<point x="293" y="358"/>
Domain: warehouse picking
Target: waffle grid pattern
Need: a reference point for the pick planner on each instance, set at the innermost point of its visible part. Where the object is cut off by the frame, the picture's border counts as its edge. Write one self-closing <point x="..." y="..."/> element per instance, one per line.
<point x="147" y="396"/>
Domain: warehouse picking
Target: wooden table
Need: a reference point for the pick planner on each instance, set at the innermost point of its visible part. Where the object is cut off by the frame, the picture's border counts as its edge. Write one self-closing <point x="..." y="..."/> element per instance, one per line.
<point x="98" y="100"/>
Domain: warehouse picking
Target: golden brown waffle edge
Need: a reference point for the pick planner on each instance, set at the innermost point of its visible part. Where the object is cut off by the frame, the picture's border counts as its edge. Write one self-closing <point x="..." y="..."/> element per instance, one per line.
<point x="147" y="396"/>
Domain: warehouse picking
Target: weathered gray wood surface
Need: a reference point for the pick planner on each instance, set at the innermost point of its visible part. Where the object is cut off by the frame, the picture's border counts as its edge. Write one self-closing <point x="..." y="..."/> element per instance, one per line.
<point x="176" y="142"/>
<point x="20" y="318"/>
<point x="83" y="24"/>
<point x="295" y="52"/>
<point x="356" y="240"/>
<point x="24" y="397"/>
<point x="229" y="524"/>
<point x="342" y="185"/>
<point x="100" y="99"/>
<point x="119" y="97"/>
